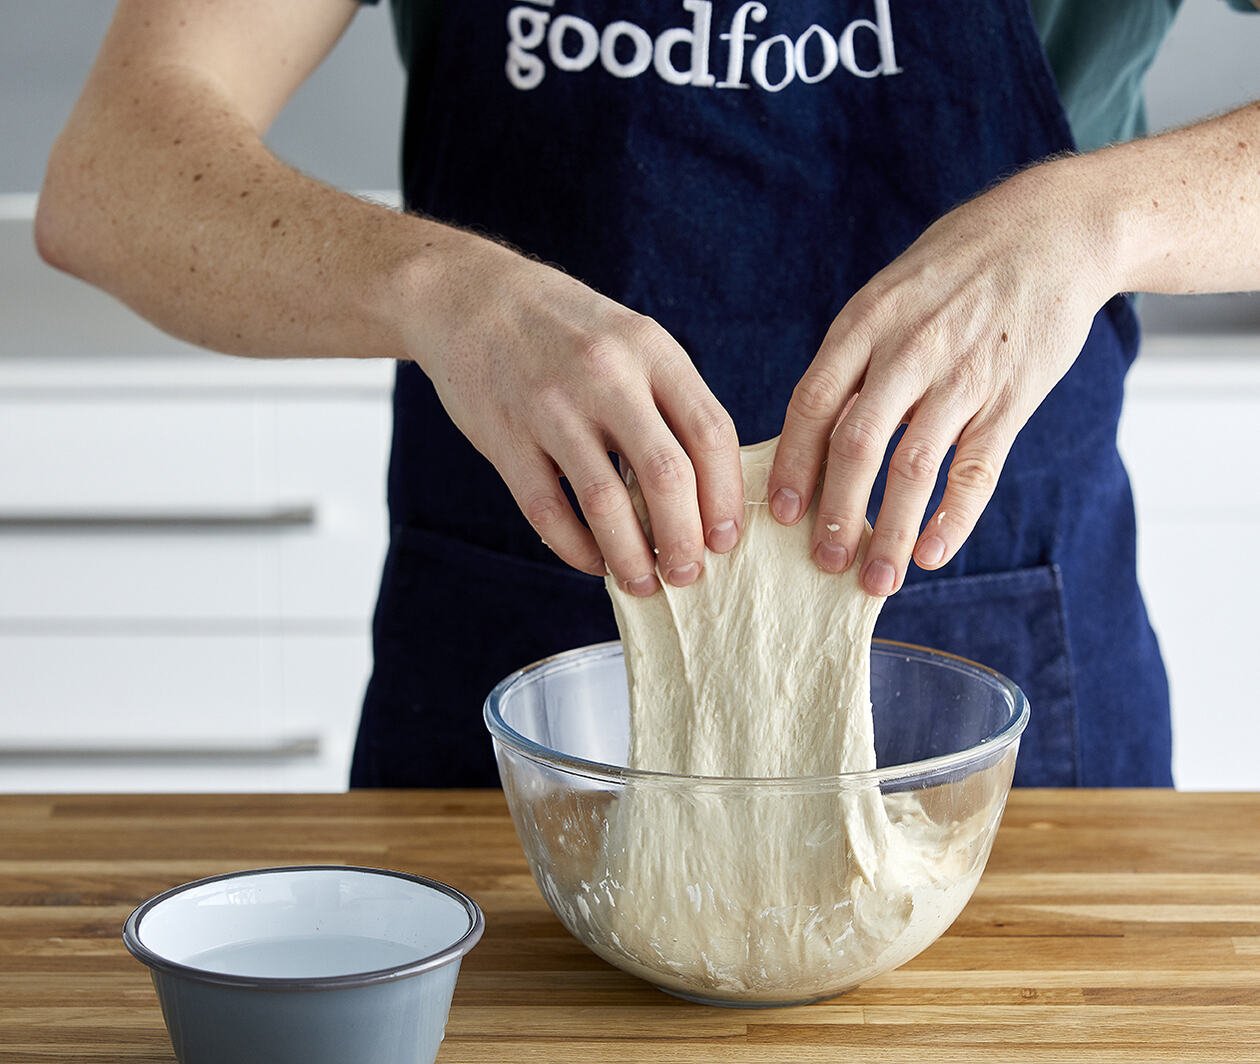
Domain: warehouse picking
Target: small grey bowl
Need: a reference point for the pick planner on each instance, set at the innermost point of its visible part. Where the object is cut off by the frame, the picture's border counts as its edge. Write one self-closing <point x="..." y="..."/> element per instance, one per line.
<point x="321" y="964"/>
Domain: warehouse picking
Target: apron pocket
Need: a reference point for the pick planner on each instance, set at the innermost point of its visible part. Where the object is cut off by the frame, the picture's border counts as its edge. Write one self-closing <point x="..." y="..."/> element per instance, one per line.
<point x="1012" y="622"/>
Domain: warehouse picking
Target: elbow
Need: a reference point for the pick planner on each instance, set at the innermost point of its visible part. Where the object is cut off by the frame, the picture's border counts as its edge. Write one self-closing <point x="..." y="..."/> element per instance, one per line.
<point x="60" y="228"/>
<point x="48" y="239"/>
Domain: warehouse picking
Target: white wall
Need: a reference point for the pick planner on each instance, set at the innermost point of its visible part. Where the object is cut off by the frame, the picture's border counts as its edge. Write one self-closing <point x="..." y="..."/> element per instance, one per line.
<point x="1210" y="62"/>
<point x="342" y="126"/>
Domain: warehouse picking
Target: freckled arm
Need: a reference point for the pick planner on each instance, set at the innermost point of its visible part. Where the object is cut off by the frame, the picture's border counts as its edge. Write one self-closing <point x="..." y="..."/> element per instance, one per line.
<point x="161" y="191"/>
<point x="1182" y="208"/>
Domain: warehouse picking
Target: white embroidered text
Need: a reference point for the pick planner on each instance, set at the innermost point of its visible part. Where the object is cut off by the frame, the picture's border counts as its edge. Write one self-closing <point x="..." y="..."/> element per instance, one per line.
<point x="687" y="54"/>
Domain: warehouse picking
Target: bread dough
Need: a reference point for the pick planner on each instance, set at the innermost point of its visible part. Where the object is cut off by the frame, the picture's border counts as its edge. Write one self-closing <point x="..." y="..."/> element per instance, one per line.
<point x="760" y="669"/>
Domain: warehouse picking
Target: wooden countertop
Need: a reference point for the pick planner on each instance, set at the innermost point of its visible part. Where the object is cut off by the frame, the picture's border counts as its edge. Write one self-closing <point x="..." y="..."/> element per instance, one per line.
<point x="1110" y="926"/>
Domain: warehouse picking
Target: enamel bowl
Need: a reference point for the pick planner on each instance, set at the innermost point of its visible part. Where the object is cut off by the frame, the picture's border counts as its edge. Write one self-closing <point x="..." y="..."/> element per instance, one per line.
<point x="757" y="892"/>
<point x="307" y="965"/>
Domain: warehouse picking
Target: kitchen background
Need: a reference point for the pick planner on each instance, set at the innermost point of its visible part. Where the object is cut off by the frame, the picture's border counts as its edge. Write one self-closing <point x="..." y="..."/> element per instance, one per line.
<point x="190" y="544"/>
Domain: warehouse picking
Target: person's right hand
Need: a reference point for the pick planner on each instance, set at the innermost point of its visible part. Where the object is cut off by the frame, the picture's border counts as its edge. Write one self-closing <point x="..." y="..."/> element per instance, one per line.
<point x="545" y="377"/>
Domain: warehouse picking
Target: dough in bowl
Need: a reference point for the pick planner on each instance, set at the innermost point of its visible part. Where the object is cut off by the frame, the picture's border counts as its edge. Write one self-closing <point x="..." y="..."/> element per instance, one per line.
<point x="761" y="669"/>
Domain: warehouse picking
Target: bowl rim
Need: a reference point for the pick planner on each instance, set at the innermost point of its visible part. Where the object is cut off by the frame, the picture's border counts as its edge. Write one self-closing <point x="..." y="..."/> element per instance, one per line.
<point x="155" y="961"/>
<point x="1004" y="737"/>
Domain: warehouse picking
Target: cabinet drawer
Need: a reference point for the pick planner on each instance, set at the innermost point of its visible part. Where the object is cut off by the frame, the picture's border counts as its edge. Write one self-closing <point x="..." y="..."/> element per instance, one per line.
<point x="1207" y="639"/>
<point x="1189" y="437"/>
<point x="135" y="692"/>
<point x="121" y="455"/>
<point x="179" y="713"/>
<point x="173" y="508"/>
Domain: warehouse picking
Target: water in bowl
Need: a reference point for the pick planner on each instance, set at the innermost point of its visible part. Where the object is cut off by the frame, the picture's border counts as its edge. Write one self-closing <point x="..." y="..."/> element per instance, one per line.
<point x="304" y="956"/>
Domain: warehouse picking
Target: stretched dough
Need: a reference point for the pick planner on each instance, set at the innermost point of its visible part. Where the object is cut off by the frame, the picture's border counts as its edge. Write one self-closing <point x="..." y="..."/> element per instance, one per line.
<point x="760" y="669"/>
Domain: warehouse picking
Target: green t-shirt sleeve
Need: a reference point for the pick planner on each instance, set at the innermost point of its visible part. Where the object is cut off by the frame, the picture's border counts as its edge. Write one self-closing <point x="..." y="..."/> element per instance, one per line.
<point x="413" y="21"/>
<point x="1243" y="5"/>
<point x="413" y="24"/>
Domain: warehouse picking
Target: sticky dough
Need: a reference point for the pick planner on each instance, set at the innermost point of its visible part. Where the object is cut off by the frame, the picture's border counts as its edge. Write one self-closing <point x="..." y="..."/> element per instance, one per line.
<point x="760" y="669"/>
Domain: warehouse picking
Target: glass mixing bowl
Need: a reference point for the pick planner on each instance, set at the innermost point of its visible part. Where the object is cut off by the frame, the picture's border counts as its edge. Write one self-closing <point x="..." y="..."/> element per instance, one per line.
<point x="757" y="892"/>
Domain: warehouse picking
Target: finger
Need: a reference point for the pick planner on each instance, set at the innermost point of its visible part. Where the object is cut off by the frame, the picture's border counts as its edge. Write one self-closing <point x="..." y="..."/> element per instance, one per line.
<point x="854" y="456"/>
<point x="820" y="396"/>
<point x="708" y="435"/>
<point x="668" y="483"/>
<point x="610" y="515"/>
<point x="973" y="474"/>
<point x="534" y="485"/>
<point x="912" y="472"/>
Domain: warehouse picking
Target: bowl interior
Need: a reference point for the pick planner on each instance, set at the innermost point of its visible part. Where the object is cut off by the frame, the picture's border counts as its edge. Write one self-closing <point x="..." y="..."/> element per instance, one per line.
<point x="303" y="923"/>
<point x="925" y="704"/>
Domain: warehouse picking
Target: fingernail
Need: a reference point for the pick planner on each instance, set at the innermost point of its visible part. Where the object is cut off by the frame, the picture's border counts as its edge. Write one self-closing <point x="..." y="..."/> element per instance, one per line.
<point x="786" y="505"/>
<point x="831" y="557"/>
<point x="722" y="537"/>
<point x="642" y="586"/>
<point x="931" y="551"/>
<point x="878" y="578"/>
<point x="684" y="574"/>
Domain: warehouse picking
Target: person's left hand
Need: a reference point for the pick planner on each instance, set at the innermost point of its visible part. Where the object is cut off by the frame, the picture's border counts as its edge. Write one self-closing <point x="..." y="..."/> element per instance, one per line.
<point x="960" y="338"/>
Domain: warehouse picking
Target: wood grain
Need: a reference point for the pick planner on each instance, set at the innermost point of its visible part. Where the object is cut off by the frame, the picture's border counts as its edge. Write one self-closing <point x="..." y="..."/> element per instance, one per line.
<point x="1111" y="926"/>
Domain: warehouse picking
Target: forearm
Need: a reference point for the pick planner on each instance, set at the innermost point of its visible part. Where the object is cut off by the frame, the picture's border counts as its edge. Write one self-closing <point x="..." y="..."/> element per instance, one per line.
<point x="1178" y="212"/>
<point x="162" y="193"/>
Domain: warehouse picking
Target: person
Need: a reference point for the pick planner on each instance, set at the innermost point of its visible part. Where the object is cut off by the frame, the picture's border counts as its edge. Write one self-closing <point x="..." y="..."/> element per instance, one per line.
<point x="865" y="225"/>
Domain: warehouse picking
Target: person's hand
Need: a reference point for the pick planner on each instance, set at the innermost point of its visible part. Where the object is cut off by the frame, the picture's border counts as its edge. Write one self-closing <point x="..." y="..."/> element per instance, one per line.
<point x="960" y="338"/>
<point x="545" y="377"/>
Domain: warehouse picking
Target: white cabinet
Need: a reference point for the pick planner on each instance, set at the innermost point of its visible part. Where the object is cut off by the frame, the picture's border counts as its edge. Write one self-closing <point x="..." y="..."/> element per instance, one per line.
<point x="189" y="554"/>
<point x="1190" y="436"/>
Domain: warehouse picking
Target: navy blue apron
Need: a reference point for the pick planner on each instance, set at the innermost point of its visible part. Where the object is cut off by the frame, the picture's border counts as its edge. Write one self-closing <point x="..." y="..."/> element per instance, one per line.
<point x="737" y="171"/>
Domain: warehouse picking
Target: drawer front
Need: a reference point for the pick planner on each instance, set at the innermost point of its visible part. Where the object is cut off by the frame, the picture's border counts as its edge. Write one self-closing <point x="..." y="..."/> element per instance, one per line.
<point x="1208" y="641"/>
<point x="133" y="692"/>
<point x="148" y="455"/>
<point x="243" y="508"/>
<point x="1190" y="449"/>
<point x="1188" y="434"/>
<point x="132" y="713"/>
